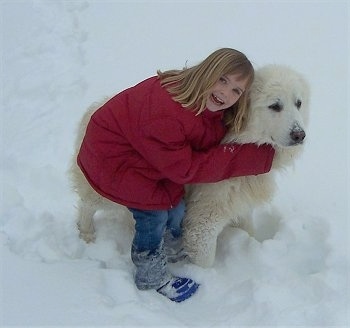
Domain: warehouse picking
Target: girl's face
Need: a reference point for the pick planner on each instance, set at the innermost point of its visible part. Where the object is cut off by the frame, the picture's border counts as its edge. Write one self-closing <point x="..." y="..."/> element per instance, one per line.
<point x="225" y="92"/>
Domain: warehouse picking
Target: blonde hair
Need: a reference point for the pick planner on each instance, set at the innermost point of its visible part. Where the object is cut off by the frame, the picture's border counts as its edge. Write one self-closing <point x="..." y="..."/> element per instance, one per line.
<point x="190" y="86"/>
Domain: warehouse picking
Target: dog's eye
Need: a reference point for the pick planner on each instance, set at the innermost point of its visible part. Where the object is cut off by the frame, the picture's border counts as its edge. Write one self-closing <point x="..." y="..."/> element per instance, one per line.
<point x="277" y="107"/>
<point x="298" y="103"/>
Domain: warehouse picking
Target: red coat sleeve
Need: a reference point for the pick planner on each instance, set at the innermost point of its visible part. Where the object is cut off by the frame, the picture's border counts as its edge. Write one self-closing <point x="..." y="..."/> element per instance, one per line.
<point x="165" y="147"/>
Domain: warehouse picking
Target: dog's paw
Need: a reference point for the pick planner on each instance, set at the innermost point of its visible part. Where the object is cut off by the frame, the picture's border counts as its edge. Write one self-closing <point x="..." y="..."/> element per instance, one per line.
<point x="204" y="258"/>
<point x="88" y="237"/>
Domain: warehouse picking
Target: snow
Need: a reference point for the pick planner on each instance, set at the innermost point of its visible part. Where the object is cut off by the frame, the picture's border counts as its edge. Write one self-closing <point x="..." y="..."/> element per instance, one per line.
<point x="59" y="56"/>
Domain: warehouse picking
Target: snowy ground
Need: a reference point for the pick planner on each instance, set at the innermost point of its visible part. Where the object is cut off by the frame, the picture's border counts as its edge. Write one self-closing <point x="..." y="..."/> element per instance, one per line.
<point x="59" y="56"/>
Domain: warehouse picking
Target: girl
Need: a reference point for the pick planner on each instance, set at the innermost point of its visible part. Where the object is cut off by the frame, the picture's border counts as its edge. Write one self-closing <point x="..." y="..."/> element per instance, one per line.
<point x="148" y="141"/>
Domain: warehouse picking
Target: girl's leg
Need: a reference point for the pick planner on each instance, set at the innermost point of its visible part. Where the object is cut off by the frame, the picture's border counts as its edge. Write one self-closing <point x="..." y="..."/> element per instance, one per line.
<point x="147" y="250"/>
<point x="150" y="259"/>
<point x="175" y="217"/>
<point x="172" y="237"/>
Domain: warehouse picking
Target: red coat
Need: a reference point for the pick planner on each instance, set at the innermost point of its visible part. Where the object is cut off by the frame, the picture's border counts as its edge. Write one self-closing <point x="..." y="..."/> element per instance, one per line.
<point x="141" y="148"/>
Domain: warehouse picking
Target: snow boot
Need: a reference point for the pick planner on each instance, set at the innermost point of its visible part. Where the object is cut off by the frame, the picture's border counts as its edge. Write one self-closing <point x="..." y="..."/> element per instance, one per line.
<point x="178" y="289"/>
<point x="151" y="268"/>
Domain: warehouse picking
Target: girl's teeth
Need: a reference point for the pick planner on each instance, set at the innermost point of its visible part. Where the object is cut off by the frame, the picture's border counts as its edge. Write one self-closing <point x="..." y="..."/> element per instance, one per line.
<point x="217" y="100"/>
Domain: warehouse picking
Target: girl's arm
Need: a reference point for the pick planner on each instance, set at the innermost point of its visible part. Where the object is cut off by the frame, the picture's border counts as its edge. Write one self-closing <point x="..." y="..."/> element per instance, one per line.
<point x="166" y="148"/>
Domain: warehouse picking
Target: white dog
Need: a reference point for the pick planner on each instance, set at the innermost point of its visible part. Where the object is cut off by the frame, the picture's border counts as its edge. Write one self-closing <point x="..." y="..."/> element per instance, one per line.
<point x="278" y="116"/>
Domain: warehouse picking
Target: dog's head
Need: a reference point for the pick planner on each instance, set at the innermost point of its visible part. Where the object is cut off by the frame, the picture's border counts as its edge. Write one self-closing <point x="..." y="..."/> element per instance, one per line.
<point x="278" y="112"/>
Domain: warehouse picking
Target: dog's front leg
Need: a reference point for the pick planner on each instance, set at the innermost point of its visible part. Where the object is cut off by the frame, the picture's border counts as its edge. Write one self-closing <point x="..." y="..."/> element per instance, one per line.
<point x="200" y="233"/>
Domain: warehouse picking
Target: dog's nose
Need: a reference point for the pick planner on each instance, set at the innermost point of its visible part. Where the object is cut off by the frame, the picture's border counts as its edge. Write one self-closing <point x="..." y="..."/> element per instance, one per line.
<point x="297" y="135"/>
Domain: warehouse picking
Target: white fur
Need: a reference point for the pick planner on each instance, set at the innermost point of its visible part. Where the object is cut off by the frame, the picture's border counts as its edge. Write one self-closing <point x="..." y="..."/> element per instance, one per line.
<point x="211" y="207"/>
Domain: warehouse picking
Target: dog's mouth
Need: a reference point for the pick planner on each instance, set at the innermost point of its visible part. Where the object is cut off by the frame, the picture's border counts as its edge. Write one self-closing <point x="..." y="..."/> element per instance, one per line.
<point x="273" y="142"/>
<point x="291" y="143"/>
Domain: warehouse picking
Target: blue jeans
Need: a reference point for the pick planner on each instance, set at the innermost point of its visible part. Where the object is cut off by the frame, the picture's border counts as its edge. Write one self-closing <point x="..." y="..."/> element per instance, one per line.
<point x="147" y="251"/>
